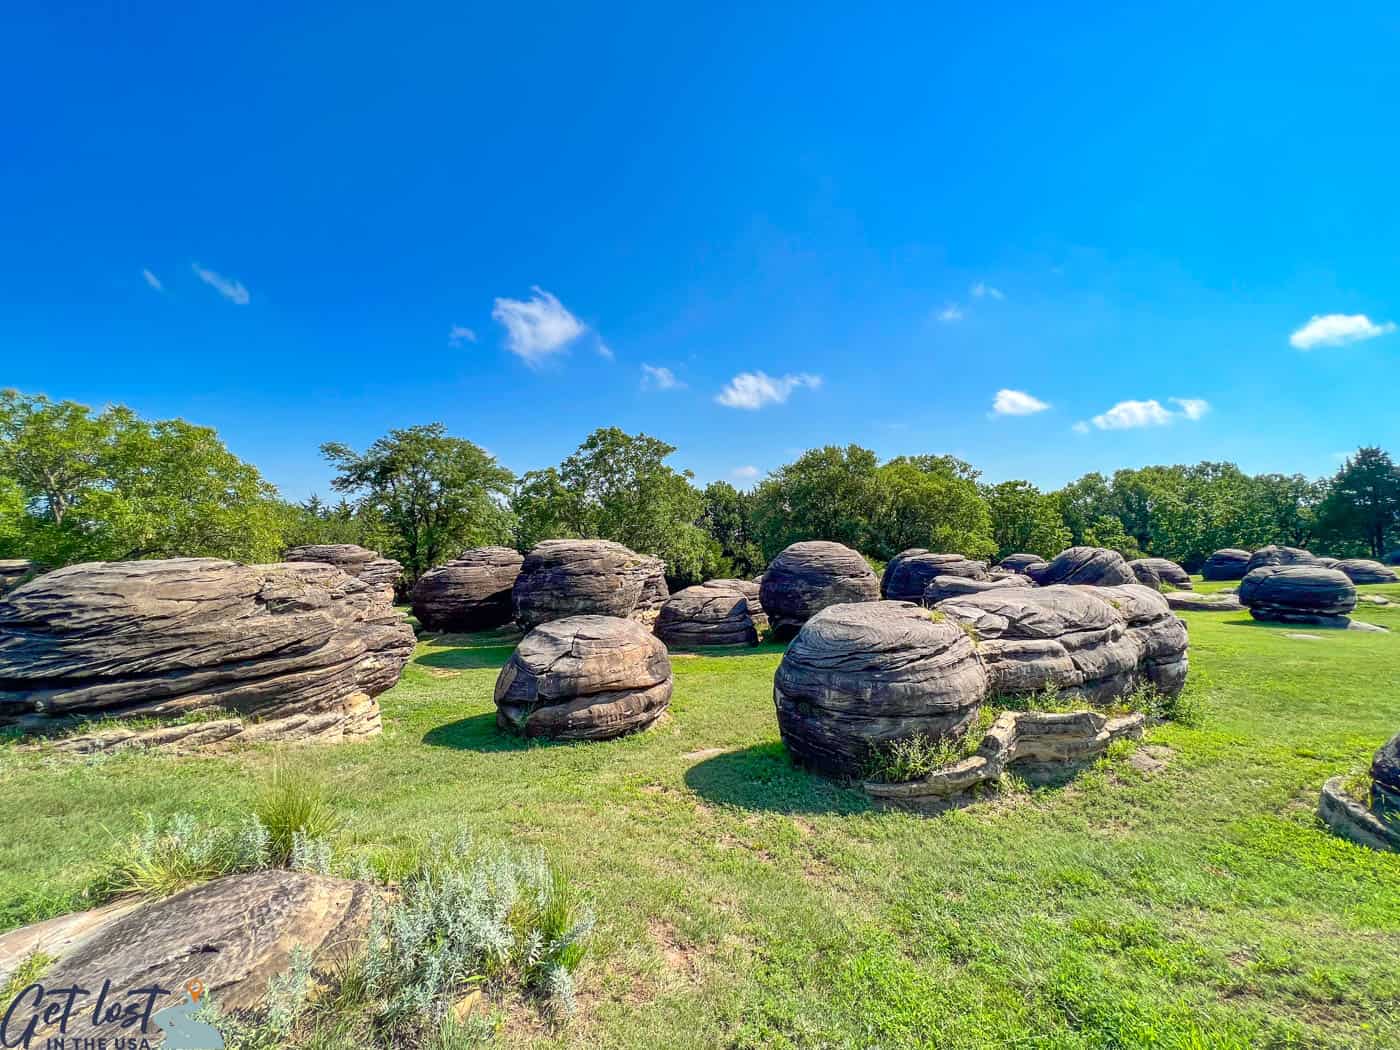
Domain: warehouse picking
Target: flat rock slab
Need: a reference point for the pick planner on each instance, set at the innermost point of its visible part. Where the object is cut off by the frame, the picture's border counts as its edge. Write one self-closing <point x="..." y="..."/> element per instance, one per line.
<point x="1308" y="594"/>
<point x="1353" y="821"/>
<point x="353" y="560"/>
<point x="909" y="573"/>
<point x="584" y="678"/>
<point x="1191" y="602"/>
<point x="807" y="577"/>
<point x="703" y="616"/>
<point x="1229" y="563"/>
<point x="1021" y="563"/>
<point x="941" y="587"/>
<point x="561" y="578"/>
<point x="469" y="593"/>
<point x="1088" y="566"/>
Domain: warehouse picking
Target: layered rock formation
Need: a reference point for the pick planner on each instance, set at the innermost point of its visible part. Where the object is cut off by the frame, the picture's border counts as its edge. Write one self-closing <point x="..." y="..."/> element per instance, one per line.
<point x="1153" y="572"/>
<point x="560" y="578"/>
<point x="367" y="565"/>
<point x="288" y="651"/>
<point x="1299" y="594"/>
<point x="1376" y="825"/>
<point x="1091" y="566"/>
<point x="1190" y="601"/>
<point x="807" y="577"/>
<point x="941" y="587"/>
<point x="909" y="573"/>
<point x="14" y="571"/>
<point x="1364" y="570"/>
<point x="584" y="678"/>
<point x="1274" y="554"/>
<point x="706" y="615"/>
<point x="1021" y="563"/>
<point x="469" y="593"/>
<point x="1229" y="563"/>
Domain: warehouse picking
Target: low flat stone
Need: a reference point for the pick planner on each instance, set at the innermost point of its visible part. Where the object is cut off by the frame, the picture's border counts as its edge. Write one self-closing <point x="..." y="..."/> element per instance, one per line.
<point x="1353" y="821"/>
<point x="1190" y="601"/>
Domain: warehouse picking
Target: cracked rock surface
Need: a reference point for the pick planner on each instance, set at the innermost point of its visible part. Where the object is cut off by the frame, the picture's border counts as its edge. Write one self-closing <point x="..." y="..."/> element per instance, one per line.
<point x="807" y="577"/>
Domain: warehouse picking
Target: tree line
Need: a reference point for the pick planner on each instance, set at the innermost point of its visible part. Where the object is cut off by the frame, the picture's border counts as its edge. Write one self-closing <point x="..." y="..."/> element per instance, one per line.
<point x="84" y="485"/>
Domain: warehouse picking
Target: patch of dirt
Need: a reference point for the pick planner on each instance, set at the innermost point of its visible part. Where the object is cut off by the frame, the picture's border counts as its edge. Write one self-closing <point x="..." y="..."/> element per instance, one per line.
<point x="1151" y="759"/>
<point x="443" y="672"/>
<point x="703" y="753"/>
<point x="681" y="957"/>
<point x="1301" y="635"/>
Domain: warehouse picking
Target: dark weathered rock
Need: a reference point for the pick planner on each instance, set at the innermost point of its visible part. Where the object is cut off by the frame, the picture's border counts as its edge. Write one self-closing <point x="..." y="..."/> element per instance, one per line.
<point x="861" y="676"/>
<point x="750" y="590"/>
<point x="1099" y="643"/>
<point x="584" y="678"/>
<point x="1230" y="563"/>
<point x="654" y="591"/>
<point x="1327" y="563"/>
<point x="1190" y="601"/>
<point x="908" y="573"/>
<point x="1385" y="779"/>
<point x="704" y="616"/>
<point x="295" y="650"/>
<point x="367" y="565"/>
<point x="1092" y="566"/>
<point x="1021" y="563"/>
<point x="1274" y="554"/>
<point x="562" y="578"/>
<point x="232" y="935"/>
<point x="807" y="577"/>
<point x="1298" y="594"/>
<point x="1364" y="570"/>
<point x="941" y="587"/>
<point x="1153" y="572"/>
<point x="14" y="571"/>
<point x="469" y="593"/>
<point x="1352" y="820"/>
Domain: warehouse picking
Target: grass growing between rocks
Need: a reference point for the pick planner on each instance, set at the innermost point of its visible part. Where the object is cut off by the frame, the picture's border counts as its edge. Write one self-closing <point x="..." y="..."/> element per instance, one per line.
<point x="741" y="902"/>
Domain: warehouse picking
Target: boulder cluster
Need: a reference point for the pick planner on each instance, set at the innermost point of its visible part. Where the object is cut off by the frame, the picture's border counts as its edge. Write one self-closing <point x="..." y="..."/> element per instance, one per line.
<point x="1091" y="566"/>
<point x="363" y="564"/>
<point x="908" y="574"/>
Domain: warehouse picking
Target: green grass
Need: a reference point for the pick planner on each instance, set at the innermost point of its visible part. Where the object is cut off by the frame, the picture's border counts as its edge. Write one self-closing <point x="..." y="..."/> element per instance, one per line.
<point x="742" y="903"/>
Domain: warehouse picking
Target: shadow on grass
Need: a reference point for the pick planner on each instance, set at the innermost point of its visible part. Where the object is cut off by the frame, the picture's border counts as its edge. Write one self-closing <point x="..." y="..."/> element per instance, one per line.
<point x="764" y="777"/>
<point x="468" y="651"/>
<point x="477" y="733"/>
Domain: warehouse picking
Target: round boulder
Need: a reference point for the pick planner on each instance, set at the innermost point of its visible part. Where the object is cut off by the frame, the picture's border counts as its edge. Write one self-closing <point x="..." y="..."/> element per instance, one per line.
<point x="807" y="577"/>
<point x="1229" y="563"/>
<point x="910" y="572"/>
<point x="941" y="587"/>
<point x="353" y="560"/>
<point x="1021" y="563"/>
<point x="1153" y="572"/>
<point x="1298" y="594"/>
<point x="750" y="590"/>
<point x="704" y="615"/>
<point x="1364" y="570"/>
<point x="560" y="578"/>
<point x="1274" y="554"/>
<point x="470" y="593"/>
<point x="859" y="677"/>
<point x="1091" y="566"/>
<point x="584" y="678"/>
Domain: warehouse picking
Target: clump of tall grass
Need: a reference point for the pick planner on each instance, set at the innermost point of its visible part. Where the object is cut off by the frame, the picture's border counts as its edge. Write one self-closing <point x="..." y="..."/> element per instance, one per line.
<point x="292" y="805"/>
<point x="919" y="755"/>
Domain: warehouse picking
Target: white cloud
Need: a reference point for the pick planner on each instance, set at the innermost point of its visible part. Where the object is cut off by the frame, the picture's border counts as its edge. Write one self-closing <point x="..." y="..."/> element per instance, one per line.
<point x="230" y="289"/>
<point x="753" y="390"/>
<point x="605" y="351"/>
<point x="1191" y="407"/>
<point x="950" y="313"/>
<point x="536" y="327"/>
<point x="460" y="335"/>
<point x="980" y="290"/>
<point x="153" y="280"/>
<point x="1017" y="403"/>
<point x="657" y="377"/>
<point x="1337" y="330"/>
<point x="1130" y="415"/>
<point x="744" y="473"/>
<point x="1081" y="427"/>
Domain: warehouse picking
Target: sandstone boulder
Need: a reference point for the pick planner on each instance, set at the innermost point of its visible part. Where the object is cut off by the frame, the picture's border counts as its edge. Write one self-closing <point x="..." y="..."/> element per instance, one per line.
<point x="367" y="565"/>
<point x="1274" y="554"/>
<point x="1021" y="563"/>
<point x="807" y="577"/>
<point x="294" y="650"/>
<point x="1153" y="572"/>
<point x="1364" y="570"/>
<point x="1230" y="563"/>
<point x="1190" y="601"/>
<point x="704" y="616"/>
<point x="654" y="591"/>
<point x="1091" y="566"/>
<point x="941" y="587"/>
<point x="862" y="676"/>
<point x="584" y="678"/>
<point x="469" y="593"/>
<point x="1299" y="594"/>
<point x="908" y="573"/>
<point x="560" y="578"/>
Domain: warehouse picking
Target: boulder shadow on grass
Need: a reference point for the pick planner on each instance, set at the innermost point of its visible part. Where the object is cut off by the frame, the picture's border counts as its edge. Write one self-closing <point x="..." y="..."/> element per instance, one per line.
<point x="476" y="733"/>
<point x="764" y="777"/>
<point x="465" y="652"/>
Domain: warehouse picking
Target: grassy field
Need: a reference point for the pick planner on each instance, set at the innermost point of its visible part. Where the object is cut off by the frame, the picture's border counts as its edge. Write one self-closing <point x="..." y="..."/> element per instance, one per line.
<point x="744" y="903"/>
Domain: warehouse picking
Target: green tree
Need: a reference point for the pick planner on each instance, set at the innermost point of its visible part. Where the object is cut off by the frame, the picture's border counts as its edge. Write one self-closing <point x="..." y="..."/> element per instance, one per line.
<point x="1362" y="506"/>
<point x="1082" y="502"/>
<point x="1025" y="519"/>
<point x="930" y="502"/>
<point x="1107" y="531"/>
<point x="435" y="495"/>
<point x="728" y="517"/>
<point x="827" y="493"/>
<point x="315" y="521"/>
<point x="1286" y="508"/>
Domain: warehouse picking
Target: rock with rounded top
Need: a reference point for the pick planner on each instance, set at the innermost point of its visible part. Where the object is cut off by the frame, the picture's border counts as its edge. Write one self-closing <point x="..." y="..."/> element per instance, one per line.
<point x="584" y="678"/>
<point x="807" y="577"/>
<point x="750" y="589"/>
<point x="706" y="615"/>
<point x="470" y="593"/>
<point x="1153" y="572"/>
<point x="910" y="572"/>
<point x="1274" y="554"/>
<point x="1085" y="566"/>
<point x="859" y="677"/>
<point x="1298" y="594"/>
<point x="941" y="587"/>
<point x="1228" y="563"/>
<point x="560" y="578"/>
<point x="1364" y="570"/>
<point x="1021" y="563"/>
<point x="360" y="562"/>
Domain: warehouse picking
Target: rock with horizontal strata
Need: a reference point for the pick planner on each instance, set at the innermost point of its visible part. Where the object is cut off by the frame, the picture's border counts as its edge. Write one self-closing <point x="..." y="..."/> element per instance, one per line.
<point x="861" y="676"/>
<point x="1364" y="570"/>
<point x="294" y="651"/>
<point x="1229" y="563"/>
<point x="1153" y="572"/>
<point x="14" y="571"/>
<point x="353" y="560"/>
<point x="941" y="587"/>
<point x="1021" y="563"/>
<point x="469" y="593"/>
<point x="1085" y="566"/>
<point x="1385" y="779"/>
<point x="584" y="678"/>
<point x="561" y="578"/>
<point x="706" y="615"/>
<point x="807" y="577"/>
<point x="1306" y="594"/>
<point x="909" y="573"/>
<point x="1274" y="554"/>
<point x="1190" y="601"/>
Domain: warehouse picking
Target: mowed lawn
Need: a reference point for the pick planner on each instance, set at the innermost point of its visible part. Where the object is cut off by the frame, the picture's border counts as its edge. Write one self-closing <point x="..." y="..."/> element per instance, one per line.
<point x="743" y="902"/>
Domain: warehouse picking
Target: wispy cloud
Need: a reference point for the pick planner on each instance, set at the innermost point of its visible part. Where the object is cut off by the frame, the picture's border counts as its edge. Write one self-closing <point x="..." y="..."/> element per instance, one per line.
<point x="230" y="289"/>
<point x="950" y="313"/>
<point x="153" y="280"/>
<point x="1338" y="330"/>
<point x="986" y="291"/>
<point x="1191" y="407"/>
<point x="536" y="327"/>
<point x="658" y="377"/>
<point x="747" y="473"/>
<point x="753" y="390"/>
<point x="1131" y="415"/>
<point x="605" y="351"/>
<point x="460" y="335"/>
<point x="1017" y="403"/>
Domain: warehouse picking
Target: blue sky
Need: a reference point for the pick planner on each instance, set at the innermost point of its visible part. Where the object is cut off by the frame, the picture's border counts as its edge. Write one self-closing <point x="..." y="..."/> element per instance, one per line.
<point x="746" y="232"/>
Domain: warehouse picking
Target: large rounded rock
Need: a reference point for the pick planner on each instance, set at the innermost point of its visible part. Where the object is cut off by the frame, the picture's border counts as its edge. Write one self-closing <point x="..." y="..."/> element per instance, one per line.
<point x="1153" y="572"/>
<point x="910" y="572"/>
<point x="654" y="590"/>
<point x="941" y="587"/>
<point x="1229" y="563"/>
<point x="1274" y="554"/>
<point x="860" y="676"/>
<point x="1091" y="566"/>
<point x="704" y="615"/>
<point x="807" y="577"/>
<point x="1021" y="563"/>
<point x="1364" y="570"/>
<point x="470" y="593"/>
<point x="294" y="650"/>
<point x="1299" y="594"/>
<point x="353" y="560"/>
<point x="1098" y="643"/>
<point x="1385" y="780"/>
<point x="584" y="678"/>
<point x="560" y="578"/>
